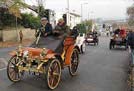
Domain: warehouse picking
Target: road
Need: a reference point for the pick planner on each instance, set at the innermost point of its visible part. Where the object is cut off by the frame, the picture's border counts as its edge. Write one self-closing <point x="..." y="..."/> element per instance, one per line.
<point x="100" y="70"/>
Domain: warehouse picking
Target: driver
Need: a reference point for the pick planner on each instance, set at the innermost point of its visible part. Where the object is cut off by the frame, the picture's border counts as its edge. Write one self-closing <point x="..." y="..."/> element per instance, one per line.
<point x="45" y="28"/>
<point x="42" y="33"/>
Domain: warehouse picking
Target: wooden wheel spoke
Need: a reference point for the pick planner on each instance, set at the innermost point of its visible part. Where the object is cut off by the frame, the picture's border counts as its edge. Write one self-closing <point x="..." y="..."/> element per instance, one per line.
<point x="12" y="75"/>
<point x="55" y="74"/>
<point x="55" y="66"/>
<point x="13" y="71"/>
<point x="51" y="81"/>
<point x="13" y="64"/>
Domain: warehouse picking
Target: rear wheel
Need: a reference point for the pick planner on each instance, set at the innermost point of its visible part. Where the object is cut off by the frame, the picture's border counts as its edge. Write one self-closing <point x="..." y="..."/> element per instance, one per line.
<point x="13" y="72"/>
<point x="126" y="46"/>
<point x="53" y="73"/>
<point x="110" y="45"/>
<point x="74" y="63"/>
<point x="83" y="48"/>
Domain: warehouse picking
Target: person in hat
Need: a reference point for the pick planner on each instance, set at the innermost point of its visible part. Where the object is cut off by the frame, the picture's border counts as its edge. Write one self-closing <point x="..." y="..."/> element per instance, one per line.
<point x="45" y="28"/>
<point x="61" y="29"/>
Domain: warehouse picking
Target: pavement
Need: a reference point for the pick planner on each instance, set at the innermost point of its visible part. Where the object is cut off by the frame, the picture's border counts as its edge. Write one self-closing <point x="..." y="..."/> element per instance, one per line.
<point x="100" y="69"/>
<point x="8" y="44"/>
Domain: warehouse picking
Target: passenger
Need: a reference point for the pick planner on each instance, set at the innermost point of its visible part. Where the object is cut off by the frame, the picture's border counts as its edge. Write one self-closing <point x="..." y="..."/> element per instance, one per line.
<point x="117" y="31"/>
<point x="123" y="33"/>
<point x="75" y="32"/>
<point x="95" y="34"/>
<point x="61" y="30"/>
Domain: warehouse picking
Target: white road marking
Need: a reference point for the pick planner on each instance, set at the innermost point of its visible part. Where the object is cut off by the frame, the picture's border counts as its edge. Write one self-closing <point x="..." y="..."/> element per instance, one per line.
<point x="3" y="60"/>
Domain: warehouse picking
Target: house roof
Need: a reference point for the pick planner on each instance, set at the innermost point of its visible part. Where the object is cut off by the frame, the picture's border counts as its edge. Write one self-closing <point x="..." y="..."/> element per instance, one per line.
<point x="77" y="15"/>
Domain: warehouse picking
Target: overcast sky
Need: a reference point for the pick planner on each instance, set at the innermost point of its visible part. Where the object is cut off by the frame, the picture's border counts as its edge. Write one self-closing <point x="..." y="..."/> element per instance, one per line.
<point x="107" y="9"/>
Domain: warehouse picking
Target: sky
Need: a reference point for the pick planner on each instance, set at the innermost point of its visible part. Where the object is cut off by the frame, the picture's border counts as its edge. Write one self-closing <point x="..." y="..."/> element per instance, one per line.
<point x="105" y="9"/>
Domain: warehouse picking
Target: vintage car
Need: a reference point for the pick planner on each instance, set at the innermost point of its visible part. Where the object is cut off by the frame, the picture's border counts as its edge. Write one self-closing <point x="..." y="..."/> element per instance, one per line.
<point x="44" y="59"/>
<point x="116" y="40"/>
<point x="90" y="38"/>
<point x="80" y="42"/>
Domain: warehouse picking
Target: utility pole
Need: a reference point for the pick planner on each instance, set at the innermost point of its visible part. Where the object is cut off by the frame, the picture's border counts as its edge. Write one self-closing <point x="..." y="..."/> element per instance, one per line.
<point x="82" y="11"/>
<point x="68" y="13"/>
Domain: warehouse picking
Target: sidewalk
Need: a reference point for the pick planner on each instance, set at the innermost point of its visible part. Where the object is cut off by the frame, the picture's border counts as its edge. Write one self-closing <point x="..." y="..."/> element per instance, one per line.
<point x="15" y="44"/>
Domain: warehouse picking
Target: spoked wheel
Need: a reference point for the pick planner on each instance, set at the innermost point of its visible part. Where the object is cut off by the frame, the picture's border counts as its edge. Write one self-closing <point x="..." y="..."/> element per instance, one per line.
<point x="110" y="45"/>
<point x="97" y="41"/>
<point x="74" y="63"/>
<point x="53" y="73"/>
<point x="12" y="69"/>
<point x="83" y="48"/>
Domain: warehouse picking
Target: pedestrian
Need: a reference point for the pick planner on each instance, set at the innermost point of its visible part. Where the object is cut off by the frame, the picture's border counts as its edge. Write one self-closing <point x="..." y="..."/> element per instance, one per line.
<point x="130" y="41"/>
<point x="21" y="36"/>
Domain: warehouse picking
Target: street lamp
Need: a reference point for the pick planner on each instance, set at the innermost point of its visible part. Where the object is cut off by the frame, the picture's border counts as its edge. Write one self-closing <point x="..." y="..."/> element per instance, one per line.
<point x="82" y="10"/>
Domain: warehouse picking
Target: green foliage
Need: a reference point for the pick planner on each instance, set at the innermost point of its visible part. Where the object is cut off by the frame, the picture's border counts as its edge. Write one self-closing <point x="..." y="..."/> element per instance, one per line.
<point x="14" y="6"/>
<point x="83" y="25"/>
<point x="27" y="20"/>
<point x="30" y="21"/>
<point x="130" y="12"/>
<point x="7" y="19"/>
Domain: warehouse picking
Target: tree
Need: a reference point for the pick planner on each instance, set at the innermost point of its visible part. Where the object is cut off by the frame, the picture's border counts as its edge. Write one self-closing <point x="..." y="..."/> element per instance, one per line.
<point x="84" y="25"/>
<point x="14" y="6"/>
<point x="130" y="12"/>
<point x="30" y="21"/>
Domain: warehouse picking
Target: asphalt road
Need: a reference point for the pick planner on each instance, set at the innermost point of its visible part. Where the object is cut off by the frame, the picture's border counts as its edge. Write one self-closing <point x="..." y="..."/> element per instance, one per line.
<point x="100" y="70"/>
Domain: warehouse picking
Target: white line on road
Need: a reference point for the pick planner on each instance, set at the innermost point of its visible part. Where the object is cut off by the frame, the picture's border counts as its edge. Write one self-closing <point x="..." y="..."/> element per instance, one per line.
<point x="3" y="69"/>
<point x="4" y="62"/>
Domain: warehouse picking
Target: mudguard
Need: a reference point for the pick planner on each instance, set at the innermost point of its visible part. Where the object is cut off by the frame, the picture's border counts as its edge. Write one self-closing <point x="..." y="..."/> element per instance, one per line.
<point x="68" y="55"/>
<point x="13" y="53"/>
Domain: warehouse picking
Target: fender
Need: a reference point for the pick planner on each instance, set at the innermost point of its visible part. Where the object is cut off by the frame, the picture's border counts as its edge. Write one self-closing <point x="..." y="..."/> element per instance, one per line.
<point x="13" y="53"/>
<point x="50" y="56"/>
<point x="68" y="55"/>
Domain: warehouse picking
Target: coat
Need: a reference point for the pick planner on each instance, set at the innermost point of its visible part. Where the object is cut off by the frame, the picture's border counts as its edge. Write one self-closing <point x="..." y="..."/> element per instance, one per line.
<point x="130" y="40"/>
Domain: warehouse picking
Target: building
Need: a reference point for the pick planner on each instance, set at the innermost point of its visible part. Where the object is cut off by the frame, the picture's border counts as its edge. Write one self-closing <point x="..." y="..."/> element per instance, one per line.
<point x="73" y="20"/>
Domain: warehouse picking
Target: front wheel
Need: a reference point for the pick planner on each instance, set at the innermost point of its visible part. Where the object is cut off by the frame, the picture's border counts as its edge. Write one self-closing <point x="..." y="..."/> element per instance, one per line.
<point x="53" y="73"/>
<point x="74" y="63"/>
<point x="13" y="72"/>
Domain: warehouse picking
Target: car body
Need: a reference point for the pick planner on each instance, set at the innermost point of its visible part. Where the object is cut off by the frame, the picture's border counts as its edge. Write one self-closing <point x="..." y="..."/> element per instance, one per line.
<point x="116" y="40"/>
<point x="80" y="42"/>
<point x="91" y="39"/>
